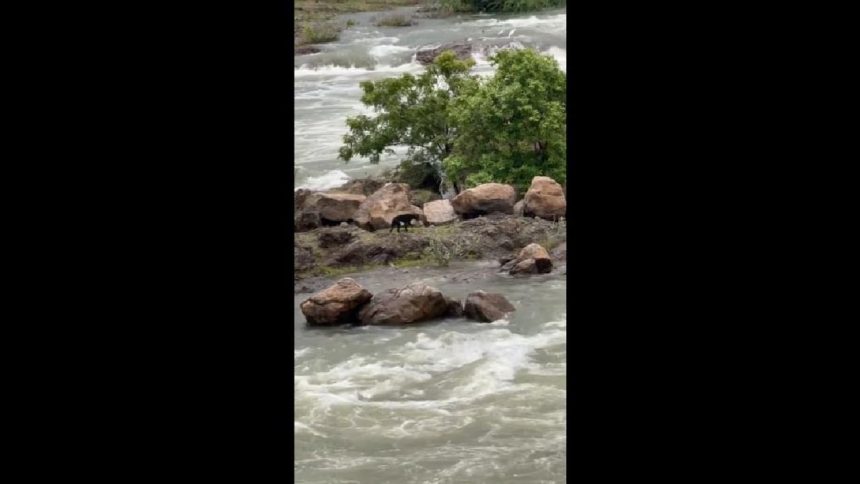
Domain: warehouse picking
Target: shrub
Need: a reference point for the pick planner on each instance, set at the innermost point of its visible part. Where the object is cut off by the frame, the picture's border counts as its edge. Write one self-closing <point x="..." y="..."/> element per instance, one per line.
<point x="319" y="33"/>
<point x="395" y="20"/>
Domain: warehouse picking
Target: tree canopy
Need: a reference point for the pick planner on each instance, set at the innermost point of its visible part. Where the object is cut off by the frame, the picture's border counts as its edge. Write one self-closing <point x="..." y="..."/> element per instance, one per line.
<point x="508" y="128"/>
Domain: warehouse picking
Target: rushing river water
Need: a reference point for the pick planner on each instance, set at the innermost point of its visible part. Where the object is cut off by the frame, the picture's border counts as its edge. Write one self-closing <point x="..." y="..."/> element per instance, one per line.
<point x="327" y="90"/>
<point x="448" y="401"/>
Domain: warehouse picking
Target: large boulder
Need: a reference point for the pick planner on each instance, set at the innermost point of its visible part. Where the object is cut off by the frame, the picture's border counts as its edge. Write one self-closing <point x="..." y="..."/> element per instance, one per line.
<point x="439" y="212"/>
<point x="532" y="259"/>
<point x="484" y="199"/>
<point x="415" y="302"/>
<point x="427" y="56"/>
<point x="487" y="307"/>
<point x="334" y="207"/>
<point x="337" y="304"/>
<point x="544" y="199"/>
<point x="377" y="210"/>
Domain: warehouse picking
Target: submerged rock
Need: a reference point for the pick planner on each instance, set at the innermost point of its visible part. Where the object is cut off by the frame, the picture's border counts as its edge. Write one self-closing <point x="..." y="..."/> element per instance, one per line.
<point x="337" y="304"/>
<point x="427" y="56"/>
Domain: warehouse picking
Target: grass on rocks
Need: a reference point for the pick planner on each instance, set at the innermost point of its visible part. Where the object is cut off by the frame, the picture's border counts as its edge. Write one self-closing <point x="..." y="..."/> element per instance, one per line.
<point x="314" y="18"/>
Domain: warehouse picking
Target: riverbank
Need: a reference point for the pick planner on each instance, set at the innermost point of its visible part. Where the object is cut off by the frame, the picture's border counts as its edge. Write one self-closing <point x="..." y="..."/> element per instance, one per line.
<point x="326" y="253"/>
<point x="315" y="19"/>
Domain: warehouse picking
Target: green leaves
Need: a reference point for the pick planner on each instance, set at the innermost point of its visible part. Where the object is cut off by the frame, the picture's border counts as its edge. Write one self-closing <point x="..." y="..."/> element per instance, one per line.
<point x="506" y="129"/>
<point x="514" y="126"/>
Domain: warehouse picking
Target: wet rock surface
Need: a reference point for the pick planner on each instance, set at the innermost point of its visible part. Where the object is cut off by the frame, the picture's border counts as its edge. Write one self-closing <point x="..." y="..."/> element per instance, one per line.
<point x="487" y="307"/>
<point x="337" y="304"/>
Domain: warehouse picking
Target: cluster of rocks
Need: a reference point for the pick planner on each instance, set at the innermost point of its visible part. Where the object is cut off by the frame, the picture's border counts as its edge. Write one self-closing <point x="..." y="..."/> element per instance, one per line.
<point x="372" y="207"/>
<point x="347" y="302"/>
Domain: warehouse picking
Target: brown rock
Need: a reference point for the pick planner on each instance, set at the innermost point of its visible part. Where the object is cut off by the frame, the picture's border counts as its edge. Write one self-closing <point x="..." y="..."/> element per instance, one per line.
<point x="518" y="208"/>
<point x="487" y="307"/>
<point x="416" y="302"/>
<point x="484" y="199"/>
<point x="336" y="304"/>
<point x="299" y="199"/>
<point x="360" y="186"/>
<point x="335" y="237"/>
<point x="525" y="266"/>
<point x="303" y="258"/>
<point x="544" y="199"/>
<point x="306" y="49"/>
<point x="439" y="212"/>
<point x="307" y="220"/>
<point x="542" y="262"/>
<point x="333" y="208"/>
<point x="427" y="56"/>
<point x="455" y="308"/>
<point x="377" y="211"/>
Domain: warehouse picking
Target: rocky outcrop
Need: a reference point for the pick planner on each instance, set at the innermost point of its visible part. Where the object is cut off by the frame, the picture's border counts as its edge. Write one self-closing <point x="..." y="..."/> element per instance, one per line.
<point x="493" y="236"/>
<point x="299" y="198"/>
<point x="532" y="259"/>
<point x="487" y="307"/>
<point x="415" y="302"/>
<point x="544" y="199"/>
<point x="335" y="207"/>
<point x="303" y="258"/>
<point x="307" y="220"/>
<point x="380" y="251"/>
<point x="377" y="211"/>
<point x="439" y="212"/>
<point x="338" y="304"/>
<point x="427" y="56"/>
<point x="359" y="186"/>
<point x="335" y="237"/>
<point x="484" y="199"/>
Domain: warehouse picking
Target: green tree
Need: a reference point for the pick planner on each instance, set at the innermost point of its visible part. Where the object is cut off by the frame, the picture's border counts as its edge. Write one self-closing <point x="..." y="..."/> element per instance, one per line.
<point x="512" y="127"/>
<point x="411" y="111"/>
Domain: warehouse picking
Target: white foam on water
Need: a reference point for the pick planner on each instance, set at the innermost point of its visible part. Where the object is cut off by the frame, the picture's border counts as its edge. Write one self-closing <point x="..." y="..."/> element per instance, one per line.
<point x="305" y="71"/>
<point x="554" y="23"/>
<point x="559" y="55"/>
<point x="326" y="181"/>
<point x="386" y="49"/>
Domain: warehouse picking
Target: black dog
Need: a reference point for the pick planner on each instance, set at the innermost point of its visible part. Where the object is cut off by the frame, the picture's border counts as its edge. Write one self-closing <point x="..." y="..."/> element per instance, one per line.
<point x="403" y="220"/>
